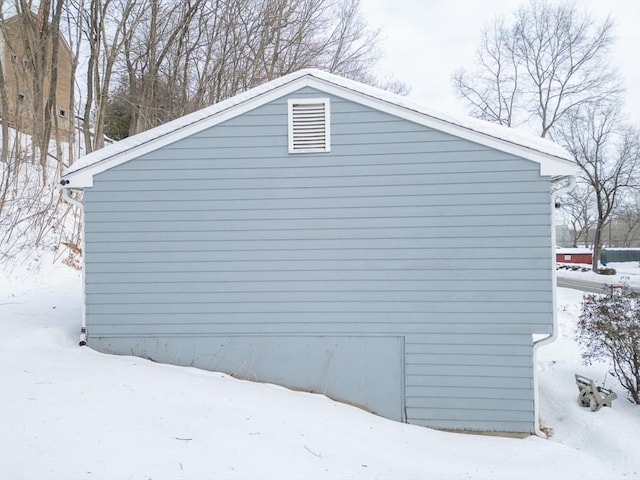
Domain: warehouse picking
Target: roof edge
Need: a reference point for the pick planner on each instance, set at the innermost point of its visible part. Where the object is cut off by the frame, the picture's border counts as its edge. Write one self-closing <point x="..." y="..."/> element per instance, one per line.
<point x="553" y="159"/>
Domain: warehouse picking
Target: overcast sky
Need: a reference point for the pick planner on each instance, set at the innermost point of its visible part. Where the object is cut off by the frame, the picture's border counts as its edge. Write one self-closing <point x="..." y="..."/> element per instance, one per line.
<point x="425" y="41"/>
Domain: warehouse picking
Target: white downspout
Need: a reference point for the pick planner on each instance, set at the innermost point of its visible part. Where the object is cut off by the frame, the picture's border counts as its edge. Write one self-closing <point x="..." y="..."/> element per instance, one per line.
<point x="554" y="281"/>
<point x="66" y="194"/>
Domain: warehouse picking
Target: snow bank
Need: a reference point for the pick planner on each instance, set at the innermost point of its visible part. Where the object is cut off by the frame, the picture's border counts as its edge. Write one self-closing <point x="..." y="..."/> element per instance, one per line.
<point x="611" y="434"/>
<point x="574" y="251"/>
<point x="67" y="412"/>
<point x="626" y="272"/>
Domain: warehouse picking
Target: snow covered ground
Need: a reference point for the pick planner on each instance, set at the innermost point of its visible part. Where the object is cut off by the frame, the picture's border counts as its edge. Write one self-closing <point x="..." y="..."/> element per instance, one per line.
<point x="626" y="272"/>
<point x="67" y="412"/>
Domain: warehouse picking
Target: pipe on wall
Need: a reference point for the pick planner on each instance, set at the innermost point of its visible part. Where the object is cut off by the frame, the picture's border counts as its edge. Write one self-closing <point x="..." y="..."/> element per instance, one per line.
<point x="554" y="333"/>
<point x="66" y="194"/>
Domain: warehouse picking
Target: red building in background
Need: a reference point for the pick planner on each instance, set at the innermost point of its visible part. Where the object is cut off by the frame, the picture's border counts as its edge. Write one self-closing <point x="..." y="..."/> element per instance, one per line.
<point x="574" y="255"/>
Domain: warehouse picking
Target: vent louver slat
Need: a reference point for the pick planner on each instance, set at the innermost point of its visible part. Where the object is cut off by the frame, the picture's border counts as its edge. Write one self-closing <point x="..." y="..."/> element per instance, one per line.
<point x="308" y="126"/>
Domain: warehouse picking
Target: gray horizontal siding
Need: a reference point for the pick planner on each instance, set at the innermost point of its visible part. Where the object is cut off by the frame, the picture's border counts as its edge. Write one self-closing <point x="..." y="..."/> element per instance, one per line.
<point x="438" y="268"/>
<point x="328" y="255"/>
<point x="488" y="414"/>
<point x="340" y="241"/>
<point x="438" y="228"/>
<point x="504" y="371"/>
<point x="488" y="180"/>
<point x="312" y="323"/>
<point x="241" y="151"/>
<point x="468" y="359"/>
<point x="454" y="402"/>
<point x="399" y="231"/>
<point x="201" y="192"/>
<point x="520" y="214"/>
<point x="203" y="160"/>
<point x="460" y="289"/>
<point x="268" y="282"/>
<point x="467" y="393"/>
<point x="235" y="304"/>
<point x="410" y="165"/>
<point x="473" y="203"/>
<point x="214" y="297"/>
<point x="332" y="230"/>
<point x="484" y="383"/>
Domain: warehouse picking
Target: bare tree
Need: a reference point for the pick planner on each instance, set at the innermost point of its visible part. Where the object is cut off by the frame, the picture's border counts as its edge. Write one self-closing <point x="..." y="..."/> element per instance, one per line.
<point x="34" y="124"/>
<point x="628" y="221"/>
<point x="578" y="207"/>
<point x="183" y="57"/>
<point x="5" y="163"/>
<point x="494" y="90"/>
<point x="40" y="40"/>
<point x="74" y="32"/>
<point x="549" y="61"/>
<point x="351" y="48"/>
<point x="548" y="69"/>
<point x="151" y="47"/>
<point x="4" y="112"/>
<point x="608" y="153"/>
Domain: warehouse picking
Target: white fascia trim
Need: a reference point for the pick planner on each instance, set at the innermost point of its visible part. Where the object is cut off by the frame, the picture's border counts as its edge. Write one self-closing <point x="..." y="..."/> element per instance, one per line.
<point x="84" y="178"/>
<point x="549" y="164"/>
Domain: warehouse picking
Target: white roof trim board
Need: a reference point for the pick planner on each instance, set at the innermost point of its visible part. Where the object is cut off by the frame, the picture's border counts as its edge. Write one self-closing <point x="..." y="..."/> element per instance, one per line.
<point x="553" y="159"/>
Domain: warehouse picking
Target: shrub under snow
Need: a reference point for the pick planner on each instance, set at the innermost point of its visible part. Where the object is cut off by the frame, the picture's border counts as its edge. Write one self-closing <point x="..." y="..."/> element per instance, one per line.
<point x="609" y="327"/>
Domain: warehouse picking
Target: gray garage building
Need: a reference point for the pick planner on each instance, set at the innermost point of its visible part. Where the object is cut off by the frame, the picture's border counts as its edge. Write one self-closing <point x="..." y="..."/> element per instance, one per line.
<point x="321" y="234"/>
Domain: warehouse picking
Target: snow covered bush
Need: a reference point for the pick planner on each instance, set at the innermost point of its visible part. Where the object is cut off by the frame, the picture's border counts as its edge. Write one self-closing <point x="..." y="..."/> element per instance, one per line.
<point x="609" y="327"/>
<point x="607" y="271"/>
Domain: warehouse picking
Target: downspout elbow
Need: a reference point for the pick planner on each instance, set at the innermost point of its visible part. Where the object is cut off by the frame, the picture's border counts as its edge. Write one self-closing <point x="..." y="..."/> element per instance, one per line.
<point x="66" y="194"/>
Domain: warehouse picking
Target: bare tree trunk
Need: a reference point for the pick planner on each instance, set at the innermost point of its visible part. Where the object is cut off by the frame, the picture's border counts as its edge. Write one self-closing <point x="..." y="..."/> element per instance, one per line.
<point x="93" y="32"/>
<point x="50" y="111"/>
<point x="4" y="115"/>
<point x="40" y="40"/>
<point x="5" y="164"/>
<point x="76" y="39"/>
<point x="596" y="246"/>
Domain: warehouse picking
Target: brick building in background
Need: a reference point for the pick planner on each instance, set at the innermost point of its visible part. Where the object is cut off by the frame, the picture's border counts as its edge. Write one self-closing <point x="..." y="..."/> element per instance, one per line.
<point x="17" y="65"/>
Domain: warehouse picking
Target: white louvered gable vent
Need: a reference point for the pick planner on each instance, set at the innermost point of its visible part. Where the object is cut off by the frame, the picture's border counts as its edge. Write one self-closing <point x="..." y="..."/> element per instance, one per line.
<point x="309" y="125"/>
